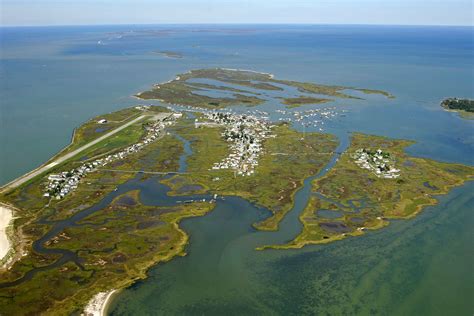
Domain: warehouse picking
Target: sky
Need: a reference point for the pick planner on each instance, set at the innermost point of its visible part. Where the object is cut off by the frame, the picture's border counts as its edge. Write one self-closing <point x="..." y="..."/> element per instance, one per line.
<point x="86" y="12"/>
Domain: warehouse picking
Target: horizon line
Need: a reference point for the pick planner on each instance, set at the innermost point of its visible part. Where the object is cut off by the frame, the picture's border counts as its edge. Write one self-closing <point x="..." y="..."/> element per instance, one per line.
<point x="233" y="23"/>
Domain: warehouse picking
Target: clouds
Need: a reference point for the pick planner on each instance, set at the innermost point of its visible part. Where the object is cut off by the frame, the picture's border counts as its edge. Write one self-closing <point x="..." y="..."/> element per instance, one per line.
<point x="64" y="12"/>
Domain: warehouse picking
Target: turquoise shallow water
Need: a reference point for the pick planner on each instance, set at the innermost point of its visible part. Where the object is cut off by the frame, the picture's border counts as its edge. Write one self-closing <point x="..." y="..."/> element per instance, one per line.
<point x="53" y="79"/>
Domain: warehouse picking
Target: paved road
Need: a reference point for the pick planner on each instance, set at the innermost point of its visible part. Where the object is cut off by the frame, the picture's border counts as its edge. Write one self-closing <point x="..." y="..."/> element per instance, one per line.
<point x="30" y="175"/>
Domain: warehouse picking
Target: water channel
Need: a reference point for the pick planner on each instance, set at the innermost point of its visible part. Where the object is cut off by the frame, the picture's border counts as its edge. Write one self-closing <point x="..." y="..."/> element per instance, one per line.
<point x="154" y="193"/>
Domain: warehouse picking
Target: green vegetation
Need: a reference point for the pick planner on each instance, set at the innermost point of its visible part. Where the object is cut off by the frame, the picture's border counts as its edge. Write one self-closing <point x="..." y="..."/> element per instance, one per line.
<point x="224" y="75"/>
<point x="464" y="106"/>
<point x="175" y="92"/>
<point x="28" y="200"/>
<point x="116" y="246"/>
<point x="92" y="129"/>
<point x="299" y="101"/>
<point x="370" y="91"/>
<point x="367" y="201"/>
<point x="181" y="89"/>
<point x="459" y="104"/>
<point x="334" y="91"/>
<point x="287" y="161"/>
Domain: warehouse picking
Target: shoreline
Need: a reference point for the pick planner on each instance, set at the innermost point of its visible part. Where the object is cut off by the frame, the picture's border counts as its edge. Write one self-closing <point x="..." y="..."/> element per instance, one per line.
<point x="461" y="113"/>
<point x="272" y="76"/>
<point x="4" y="187"/>
<point x="6" y="218"/>
<point x="98" y="305"/>
<point x="45" y="168"/>
<point x="178" y="77"/>
<point x="106" y="303"/>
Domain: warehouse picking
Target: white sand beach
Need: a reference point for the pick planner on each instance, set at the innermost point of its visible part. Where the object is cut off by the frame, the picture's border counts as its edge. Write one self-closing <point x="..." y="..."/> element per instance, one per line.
<point x="97" y="306"/>
<point x="6" y="216"/>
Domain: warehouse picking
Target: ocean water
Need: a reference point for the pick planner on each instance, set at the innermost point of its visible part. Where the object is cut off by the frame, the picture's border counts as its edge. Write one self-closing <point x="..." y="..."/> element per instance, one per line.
<point x="53" y="79"/>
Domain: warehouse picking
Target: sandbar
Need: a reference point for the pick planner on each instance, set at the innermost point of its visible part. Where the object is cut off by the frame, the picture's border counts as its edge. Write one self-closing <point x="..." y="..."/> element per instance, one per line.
<point x="97" y="306"/>
<point x="6" y="216"/>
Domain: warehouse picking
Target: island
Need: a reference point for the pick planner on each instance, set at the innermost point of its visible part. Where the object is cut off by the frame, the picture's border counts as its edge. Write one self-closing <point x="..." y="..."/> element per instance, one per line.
<point x="170" y="54"/>
<point x="206" y="88"/>
<point x="373" y="182"/>
<point x="83" y="229"/>
<point x="463" y="106"/>
<point x="302" y="100"/>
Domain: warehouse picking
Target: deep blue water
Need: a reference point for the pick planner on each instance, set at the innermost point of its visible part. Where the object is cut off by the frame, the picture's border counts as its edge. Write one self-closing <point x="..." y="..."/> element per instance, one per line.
<point x="54" y="78"/>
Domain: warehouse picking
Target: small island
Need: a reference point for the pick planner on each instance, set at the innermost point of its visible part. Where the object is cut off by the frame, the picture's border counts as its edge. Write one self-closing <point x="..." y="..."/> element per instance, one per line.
<point x="302" y="100"/>
<point x="465" y="107"/>
<point x="170" y="54"/>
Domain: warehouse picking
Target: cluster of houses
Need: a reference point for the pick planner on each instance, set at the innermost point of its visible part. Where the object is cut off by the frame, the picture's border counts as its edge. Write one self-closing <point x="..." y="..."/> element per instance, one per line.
<point x="245" y="133"/>
<point x="59" y="185"/>
<point x="379" y="162"/>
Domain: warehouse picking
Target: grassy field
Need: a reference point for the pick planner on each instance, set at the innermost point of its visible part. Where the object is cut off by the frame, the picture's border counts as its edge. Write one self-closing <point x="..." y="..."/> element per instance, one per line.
<point x="29" y="196"/>
<point x="368" y="202"/>
<point x="299" y="101"/>
<point x="92" y="129"/>
<point x="329" y="90"/>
